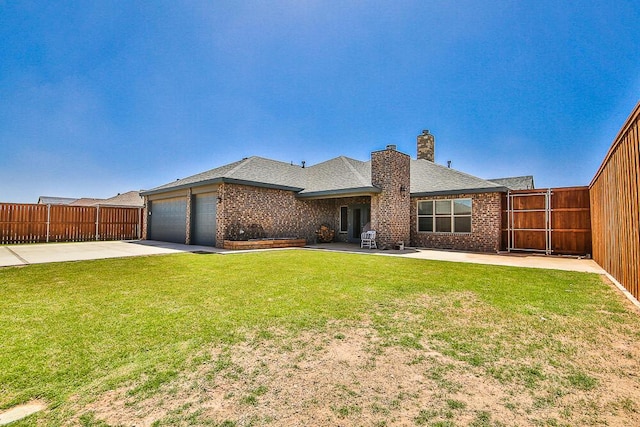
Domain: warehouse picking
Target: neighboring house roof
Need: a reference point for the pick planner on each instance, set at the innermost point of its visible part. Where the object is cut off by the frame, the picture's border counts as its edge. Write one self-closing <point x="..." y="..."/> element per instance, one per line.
<point x="86" y="201"/>
<point x="51" y="200"/>
<point x="516" y="182"/>
<point x="341" y="176"/>
<point x="428" y="178"/>
<point x="130" y="198"/>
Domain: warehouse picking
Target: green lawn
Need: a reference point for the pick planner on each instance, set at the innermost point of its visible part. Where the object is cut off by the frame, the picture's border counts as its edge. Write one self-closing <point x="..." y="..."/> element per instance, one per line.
<point x="70" y="333"/>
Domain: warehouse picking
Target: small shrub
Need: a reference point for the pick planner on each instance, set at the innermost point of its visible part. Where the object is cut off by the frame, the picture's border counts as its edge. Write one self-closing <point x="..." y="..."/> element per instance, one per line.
<point x="254" y="231"/>
<point x="235" y="231"/>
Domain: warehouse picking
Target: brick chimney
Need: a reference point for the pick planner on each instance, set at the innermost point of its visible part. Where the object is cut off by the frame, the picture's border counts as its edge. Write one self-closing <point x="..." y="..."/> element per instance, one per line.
<point x="426" y="146"/>
<point x="390" y="209"/>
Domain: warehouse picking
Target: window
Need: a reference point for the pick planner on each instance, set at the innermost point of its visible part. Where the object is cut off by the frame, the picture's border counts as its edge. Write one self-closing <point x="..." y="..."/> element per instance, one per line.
<point x="444" y="216"/>
<point x="344" y="225"/>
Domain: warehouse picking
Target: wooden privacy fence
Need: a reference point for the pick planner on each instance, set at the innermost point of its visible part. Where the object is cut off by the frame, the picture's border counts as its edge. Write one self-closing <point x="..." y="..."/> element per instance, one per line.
<point x="32" y="223"/>
<point x="547" y="220"/>
<point x="615" y="207"/>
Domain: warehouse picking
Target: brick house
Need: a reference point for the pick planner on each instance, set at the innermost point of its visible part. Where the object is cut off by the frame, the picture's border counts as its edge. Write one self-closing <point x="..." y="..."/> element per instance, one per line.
<point x="411" y="200"/>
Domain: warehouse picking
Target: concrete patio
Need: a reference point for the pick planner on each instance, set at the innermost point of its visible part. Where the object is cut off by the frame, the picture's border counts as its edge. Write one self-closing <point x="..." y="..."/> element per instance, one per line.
<point x="530" y="260"/>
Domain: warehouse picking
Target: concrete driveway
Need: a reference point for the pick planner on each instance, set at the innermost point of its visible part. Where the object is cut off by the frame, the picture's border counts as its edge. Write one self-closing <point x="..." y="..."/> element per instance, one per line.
<point x="40" y="253"/>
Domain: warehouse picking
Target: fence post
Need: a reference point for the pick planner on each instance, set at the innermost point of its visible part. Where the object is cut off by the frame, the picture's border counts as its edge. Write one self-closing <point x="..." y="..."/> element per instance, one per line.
<point x="48" y="221"/>
<point x="508" y="220"/>
<point x="140" y="211"/>
<point x="549" y="229"/>
<point x="97" y="222"/>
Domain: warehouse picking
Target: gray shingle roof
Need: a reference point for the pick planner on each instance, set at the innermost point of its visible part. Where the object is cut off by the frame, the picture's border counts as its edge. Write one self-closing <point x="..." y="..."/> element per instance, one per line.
<point x="341" y="175"/>
<point x="251" y="170"/>
<point x="515" y="182"/>
<point x="338" y="176"/>
<point x="428" y="178"/>
<point x="52" y="200"/>
<point x="86" y="201"/>
<point x="130" y="198"/>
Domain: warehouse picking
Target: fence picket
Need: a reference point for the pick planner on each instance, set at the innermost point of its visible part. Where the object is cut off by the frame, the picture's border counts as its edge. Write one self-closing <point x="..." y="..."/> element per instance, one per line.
<point x="615" y="207"/>
<point x="35" y="223"/>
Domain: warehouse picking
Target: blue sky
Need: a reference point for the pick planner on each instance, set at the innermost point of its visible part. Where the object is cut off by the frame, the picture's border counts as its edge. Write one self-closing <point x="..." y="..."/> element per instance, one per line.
<point x="98" y="98"/>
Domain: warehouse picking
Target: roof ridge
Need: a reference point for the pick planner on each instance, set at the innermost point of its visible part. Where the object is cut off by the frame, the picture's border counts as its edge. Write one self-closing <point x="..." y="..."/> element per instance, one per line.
<point x="362" y="179"/>
<point x="240" y="165"/>
<point x="282" y="162"/>
<point x="511" y="177"/>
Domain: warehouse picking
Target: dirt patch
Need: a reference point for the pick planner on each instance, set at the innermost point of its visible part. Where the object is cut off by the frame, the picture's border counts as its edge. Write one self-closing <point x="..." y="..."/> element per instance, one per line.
<point x="347" y="375"/>
<point x="410" y="363"/>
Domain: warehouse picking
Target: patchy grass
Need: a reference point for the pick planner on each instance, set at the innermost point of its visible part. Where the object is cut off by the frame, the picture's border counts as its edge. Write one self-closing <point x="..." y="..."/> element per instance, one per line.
<point x="315" y="338"/>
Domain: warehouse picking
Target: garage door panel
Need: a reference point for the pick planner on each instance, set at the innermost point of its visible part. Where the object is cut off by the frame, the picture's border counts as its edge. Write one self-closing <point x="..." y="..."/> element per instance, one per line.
<point x="204" y="219"/>
<point x="169" y="220"/>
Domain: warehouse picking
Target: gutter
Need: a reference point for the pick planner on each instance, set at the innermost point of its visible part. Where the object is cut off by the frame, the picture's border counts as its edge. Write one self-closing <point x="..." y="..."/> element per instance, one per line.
<point x="220" y="180"/>
<point x="327" y="194"/>
<point x="462" y="191"/>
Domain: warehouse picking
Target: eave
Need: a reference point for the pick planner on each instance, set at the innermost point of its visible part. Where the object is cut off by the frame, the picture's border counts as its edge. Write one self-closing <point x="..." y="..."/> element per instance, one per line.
<point x="461" y="191"/>
<point x="221" y="180"/>
<point x="343" y="192"/>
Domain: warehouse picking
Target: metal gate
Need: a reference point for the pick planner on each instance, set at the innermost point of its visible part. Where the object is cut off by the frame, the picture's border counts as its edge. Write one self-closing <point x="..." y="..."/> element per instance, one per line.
<point x="529" y="221"/>
<point x="547" y="220"/>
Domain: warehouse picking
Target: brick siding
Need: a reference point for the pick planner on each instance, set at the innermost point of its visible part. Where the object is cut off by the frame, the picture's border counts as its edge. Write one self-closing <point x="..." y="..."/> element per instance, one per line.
<point x="485" y="225"/>
<point x="390" y="209"/>
<point x="279" y="212"/>
<point x="145" y="218"/>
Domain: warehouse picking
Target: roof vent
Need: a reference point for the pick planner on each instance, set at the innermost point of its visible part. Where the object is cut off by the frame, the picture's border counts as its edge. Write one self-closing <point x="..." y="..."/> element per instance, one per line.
<point x="392" y="147"/>
<point x="303" y="163"/>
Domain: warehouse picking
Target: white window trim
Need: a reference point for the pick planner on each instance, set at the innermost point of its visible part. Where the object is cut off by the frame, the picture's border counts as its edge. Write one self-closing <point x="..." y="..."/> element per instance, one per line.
<point x="452" y="215"/>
